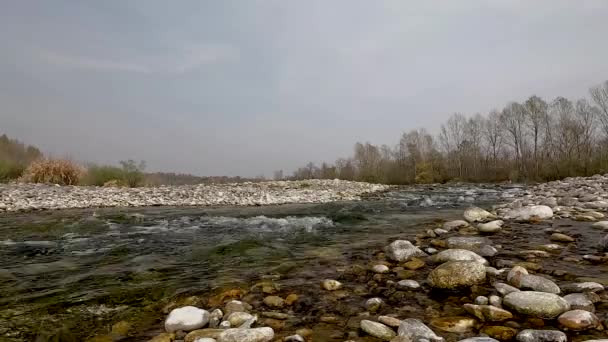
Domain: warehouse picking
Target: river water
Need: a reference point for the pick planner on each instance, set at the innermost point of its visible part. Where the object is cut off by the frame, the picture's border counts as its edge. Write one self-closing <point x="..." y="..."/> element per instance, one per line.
<point x="71" y="275"/>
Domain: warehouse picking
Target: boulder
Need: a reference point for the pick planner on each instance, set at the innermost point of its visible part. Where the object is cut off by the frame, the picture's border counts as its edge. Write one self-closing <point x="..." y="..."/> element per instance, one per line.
<point x="415" y="330"/>
<point x="403" y="250"/>
<point x="580" y="301"/>
<point x="456" y="274"/>
<point x="186" y="318"/>
<point x="535" y="212"/>
<point x="377" y="330"/>
<point x="490" y="227"/>
<point x="458" y="255"/>
<point x="536" y="304"/>
<point x="538" y="283"/>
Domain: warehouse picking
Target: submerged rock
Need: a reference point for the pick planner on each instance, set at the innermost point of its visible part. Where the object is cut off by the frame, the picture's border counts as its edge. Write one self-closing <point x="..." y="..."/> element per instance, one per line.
<point x="378" y="330"/>
<point x="458" y="255"/>
<point x="601" y="225"/>
<point x="488" y="313"/>
<point x="408" y="284"/>
<point x="559" y="237"/>
<point x="455" y="224"/>
<point x="331" y="285"/>
<point x="582" y="287"/>
<point x="472" y="243"/>
<point x="490" y="227"/>
<point x="456" y="274"/>
<point x="530" y="335"/>
<point x="455" y="324"/>
<point x="479" y="339"/>
<point x="403" y="250"/>
<point x="373" y="304"/>
<point x="380" y="269"/>
<point x="415" y="330"/>
<point x="536" y="304"/>
<point x="186" y="318"/>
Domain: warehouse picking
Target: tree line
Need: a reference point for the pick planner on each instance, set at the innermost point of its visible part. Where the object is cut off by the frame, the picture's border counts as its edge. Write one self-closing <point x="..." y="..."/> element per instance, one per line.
<point x="532" y="140"/>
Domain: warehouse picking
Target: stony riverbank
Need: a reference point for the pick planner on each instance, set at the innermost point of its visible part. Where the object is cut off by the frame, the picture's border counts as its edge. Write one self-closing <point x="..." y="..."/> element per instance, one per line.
<point x="470" y="288"/>
<point x="24" y="197"/>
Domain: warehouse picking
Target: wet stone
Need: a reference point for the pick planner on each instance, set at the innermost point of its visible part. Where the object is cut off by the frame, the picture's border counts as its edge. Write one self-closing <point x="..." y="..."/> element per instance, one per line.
<point x="187" y="318"/>
<point x="559" y="237"/>
<point x="331" y="285"/>
<point x="458" y="255"/>
<point x="403" y="250"/>
<point x="530" y="335"/>
<point x="457" y="274"/>
<point x="407" y="284"/>
<point x="578" y="320"/>
<point x="536" y="304"/>
<point x="499" y="332"/>
<point x="488" y="313"/>
<point x="456" y="324"/>
<point x="390" y="321"/>
<point x="580" y="301"/>
<point x="415" y="330"/>
<point x="582" y="287"/>
<point x="246" y="335"/>
<point x="378" y="330"/>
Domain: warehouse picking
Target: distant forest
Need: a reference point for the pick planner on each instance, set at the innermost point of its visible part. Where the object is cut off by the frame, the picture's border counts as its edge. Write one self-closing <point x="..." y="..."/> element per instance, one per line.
<point x="532" y="140"/>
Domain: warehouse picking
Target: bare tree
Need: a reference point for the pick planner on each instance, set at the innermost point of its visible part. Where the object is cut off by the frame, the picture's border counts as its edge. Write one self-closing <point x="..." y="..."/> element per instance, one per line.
<point x="599" y="95"/>
<point x="536" y="111"/>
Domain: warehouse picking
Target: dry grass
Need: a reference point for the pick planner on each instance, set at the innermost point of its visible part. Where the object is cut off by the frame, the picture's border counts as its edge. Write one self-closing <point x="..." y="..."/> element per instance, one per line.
<point x="53" y="171"/>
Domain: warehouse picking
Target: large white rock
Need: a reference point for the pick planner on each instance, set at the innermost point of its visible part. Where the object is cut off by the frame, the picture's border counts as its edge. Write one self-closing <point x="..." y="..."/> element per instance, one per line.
<point x="535" y="212"/>
<point x="247" y="335"/>
<point x="186" y="318"/>
<point x="456" y="254"/>
<point x="490" y="227"/>
<point x="536" y="304"/>
<point x="415" y="330"/>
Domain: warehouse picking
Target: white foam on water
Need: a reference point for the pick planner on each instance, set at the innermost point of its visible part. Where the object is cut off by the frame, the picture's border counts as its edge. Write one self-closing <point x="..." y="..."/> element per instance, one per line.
<point x="270" y="224"/>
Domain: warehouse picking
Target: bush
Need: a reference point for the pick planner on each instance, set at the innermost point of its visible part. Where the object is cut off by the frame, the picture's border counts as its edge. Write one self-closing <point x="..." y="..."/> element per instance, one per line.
<point x="100" y="175"/>
<point x="133" y="174"/>
<point x="54" y="171"/>
<point x="10" y="170"/>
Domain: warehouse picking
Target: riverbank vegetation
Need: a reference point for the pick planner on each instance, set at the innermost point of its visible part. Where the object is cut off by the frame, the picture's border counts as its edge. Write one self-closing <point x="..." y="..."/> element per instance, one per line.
<point x="531" y="140"/>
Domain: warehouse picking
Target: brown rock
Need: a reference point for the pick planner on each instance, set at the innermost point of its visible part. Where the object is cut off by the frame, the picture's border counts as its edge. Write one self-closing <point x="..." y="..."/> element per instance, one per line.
<point x="414" y="264"/>
<point x="164" y="337"/>
<point x="290" y="299"/>
<point x="499" y="332"/>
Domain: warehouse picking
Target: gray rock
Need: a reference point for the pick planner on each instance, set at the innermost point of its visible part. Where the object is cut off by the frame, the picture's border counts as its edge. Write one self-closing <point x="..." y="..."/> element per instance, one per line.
<point x="457" y="274"/>
<point x="380" y="269"/>
<point x="378" y="330"/>
<point x="457" y="255"/>
<point x="515" y="276"/>
<point x="294" y="338"/>
<point x="495" y="301"/>
<point x="390" y="321"/>
<point x="472" y="243"/>
<point x="603" y="244"/>
<point x="537" y="283"/>
<point x="490" y="227"/>
<point x="417" y="331"/>
<point x="579" y="301"/>
<point x="559" y="237"/>
<point x="455" y="224"/>
<point x="234" y="306"/>
<point x="403" y="250"/>
<point x="536" y="212"/>
<point x="479" y="339"/>
<point x="238" y="318"/>
<point x="247" y="335"/>
<point x="475" y="214"/>
<point x="488" y="313"/>
<point x="582" y="287"/>
<point x="530" y="335"/>
<point x="331" y="285"/>
<point x="537" y="304"/>
<point x="600" y="225"/>
<point x="373" y="304"/>
<point x="487" y="251"/>
<point x="186" y="318"/>
<point x="481" y="300"/>
<point x="408" y="284"/>
<point x="215" y="318"/>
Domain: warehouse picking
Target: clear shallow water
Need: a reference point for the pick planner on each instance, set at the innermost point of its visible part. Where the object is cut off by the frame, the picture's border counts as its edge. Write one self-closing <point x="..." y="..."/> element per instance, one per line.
<point x="70" y="275"/>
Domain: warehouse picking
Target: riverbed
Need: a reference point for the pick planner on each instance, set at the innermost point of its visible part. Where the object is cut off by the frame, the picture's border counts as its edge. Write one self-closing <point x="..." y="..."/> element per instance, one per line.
<point x="115" y="273"/>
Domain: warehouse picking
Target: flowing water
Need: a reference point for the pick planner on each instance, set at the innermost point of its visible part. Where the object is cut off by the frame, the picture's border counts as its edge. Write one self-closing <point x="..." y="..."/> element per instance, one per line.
<point x="71" y="275"/>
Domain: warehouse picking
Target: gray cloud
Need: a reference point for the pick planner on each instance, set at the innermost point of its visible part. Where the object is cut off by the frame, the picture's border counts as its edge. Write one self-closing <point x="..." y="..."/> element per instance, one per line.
<point x="235" y="87"/>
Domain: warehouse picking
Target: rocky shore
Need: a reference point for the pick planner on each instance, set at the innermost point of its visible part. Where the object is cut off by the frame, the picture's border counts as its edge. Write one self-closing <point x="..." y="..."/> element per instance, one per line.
<point x="25" y="197"/>
<point x="498" y="292"/>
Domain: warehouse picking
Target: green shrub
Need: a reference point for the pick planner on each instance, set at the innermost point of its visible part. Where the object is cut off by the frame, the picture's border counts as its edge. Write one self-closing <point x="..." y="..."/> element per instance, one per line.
<point x="133" y="174"/>
<point x="99" y="175"/>
<point x="10" y="170"/>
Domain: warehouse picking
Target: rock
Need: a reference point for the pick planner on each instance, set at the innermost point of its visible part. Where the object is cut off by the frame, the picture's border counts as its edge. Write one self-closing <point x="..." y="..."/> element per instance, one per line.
<point x="603" y="244"/>
<point x="455" y="224"/>
<point x="380" y="269"/>
<point x="407" y="284"/>
<point x="275" y="315"/>
<point x="582" y="287"/>
<point x="225" y="325"/>
<point x="455" y="324"/>
<point x="536" y="304"/>
<point x="247" y="335"/>
<point x="537" y="283"/>
<point x="455" y="274"/>
<point x="475" y="214"/>
<point x="331" y="285"/>
<point x="472" y="243"/>
<point x="488" y="313"/>
<point x="234" y="306"/>
<point x="390" y="321"/>
<point x="479" y="339"/>
<point x="515" y="276"/>
<point x="530" y="335"/>
<point x="579" y="301"/>
<point x="215" y="318"/>
<point x="415" y="330"/>
<point x="495" y="301"/>
<point x="490" y="227"/>
<point x="600" y="225"/>
<point x="186" y="318"/>
<point x="377" y="330"/>
<point x="290" y="299"/>
<point x="481" y="300"/>
<point x="205" y="339"/>
<point x="559" y="237"/>
<point x="414" y="264"/>
<point x="373" y="304"/>
<point x="457" y="255"/>
<point x="578" y="320"/>
<point x="487" y="251"/>
<point x="238" y="318"/>
<point x="439" y="231"/>
<point x="499" y="332"/>
<point x="294" y="338"/>
<point x="536" y="212"/>
<point x="202" y="333"/>
<point x="274" y="301"/>
<point x="403" y="250"/>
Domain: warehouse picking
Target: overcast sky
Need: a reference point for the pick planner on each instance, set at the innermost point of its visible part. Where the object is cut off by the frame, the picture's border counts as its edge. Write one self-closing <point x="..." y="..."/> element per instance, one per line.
<point x="247" y="87"/>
